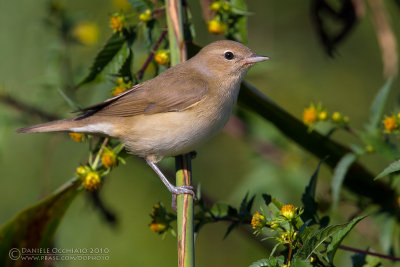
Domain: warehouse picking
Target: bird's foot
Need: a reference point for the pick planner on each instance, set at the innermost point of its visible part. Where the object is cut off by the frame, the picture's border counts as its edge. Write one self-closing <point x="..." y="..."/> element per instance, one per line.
<point x="184" y="189"/>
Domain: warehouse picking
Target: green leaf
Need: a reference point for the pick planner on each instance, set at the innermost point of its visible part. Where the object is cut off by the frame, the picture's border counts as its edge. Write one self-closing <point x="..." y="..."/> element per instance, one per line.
<point x="239" y="6"/>
<point x="299" y="263"/>
<point x="220" y="210"/>
<point x="141" y="5"/>
<point x="394" y="167"/>
<point x="378" y="106"/>
<point x="267" y="199"/>
<point x="339" y="174"/>
<point x="34" y="227"/>
<point x="114" y="66"/>
<point x="333" y="232"/>
<point x="104" y="57"/>
<point x="308" y="198"/>
<point x="380" y="145"/>
<point x="271" y="262"/>
<point x="338" y="237"/>
<point x="241" y="26"/>
<point x="230" y="228"/>
<point x="125" y="70"/>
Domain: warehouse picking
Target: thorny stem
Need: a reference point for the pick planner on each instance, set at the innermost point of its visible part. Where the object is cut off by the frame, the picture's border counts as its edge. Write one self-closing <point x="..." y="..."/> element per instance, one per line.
<point x="148" y="60"/>
<point x="356" y="250"/>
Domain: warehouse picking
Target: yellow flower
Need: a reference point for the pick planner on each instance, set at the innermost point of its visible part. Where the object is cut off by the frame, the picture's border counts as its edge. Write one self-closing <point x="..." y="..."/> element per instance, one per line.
<point x="216" y="6"/>
<point x="117" y="22"/>
<point x="121" y="86"/>
<point x="162" y="57"/>
<point x="77" y="137"/>
<point x="81" y="170"/>
<point x="145" y="16"/>
<point x="117" y="90"/>
<point x="323" y="115"/>
<point x="108" y="158"/>
<point x="398" y="115"/>
<point x="258" y="220"/>
<point x="86" y="32"/>
<point x="310" y="115"/>
<point x="288" y="211"/>
<point x="390" y="124"/>
<point x="157" y="227"/>
<point x="216" y="27"/>
<point x="337" y="117"/>
<point x="91" y="181"/>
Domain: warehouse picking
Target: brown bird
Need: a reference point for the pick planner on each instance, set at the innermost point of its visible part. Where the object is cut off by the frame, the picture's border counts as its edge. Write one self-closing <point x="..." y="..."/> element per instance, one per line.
<point x="173" y="113"/>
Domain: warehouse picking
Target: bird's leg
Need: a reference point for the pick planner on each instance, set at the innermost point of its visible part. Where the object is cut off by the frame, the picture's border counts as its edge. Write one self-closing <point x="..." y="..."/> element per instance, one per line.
<point x="173" y="189"/>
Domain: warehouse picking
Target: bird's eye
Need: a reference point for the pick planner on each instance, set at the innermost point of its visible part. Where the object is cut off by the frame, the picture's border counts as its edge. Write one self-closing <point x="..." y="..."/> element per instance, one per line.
<point x="229" y="55"/>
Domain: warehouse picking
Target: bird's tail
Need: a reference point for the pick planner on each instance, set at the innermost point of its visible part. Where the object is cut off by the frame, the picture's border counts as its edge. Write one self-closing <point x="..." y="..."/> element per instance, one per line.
<point x="52" y="126"/>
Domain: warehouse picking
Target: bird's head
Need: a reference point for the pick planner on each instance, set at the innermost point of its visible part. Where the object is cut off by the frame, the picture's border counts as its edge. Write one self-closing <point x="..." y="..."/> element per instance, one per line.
<point x="227" y="58"/>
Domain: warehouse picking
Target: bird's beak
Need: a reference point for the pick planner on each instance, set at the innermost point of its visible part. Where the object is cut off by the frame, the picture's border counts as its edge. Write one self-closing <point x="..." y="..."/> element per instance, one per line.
<point x="254" y="59"/>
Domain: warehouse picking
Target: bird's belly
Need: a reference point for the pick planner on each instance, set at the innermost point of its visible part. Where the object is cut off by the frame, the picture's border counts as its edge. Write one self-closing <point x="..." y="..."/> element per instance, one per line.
<point x="173" y="133"/>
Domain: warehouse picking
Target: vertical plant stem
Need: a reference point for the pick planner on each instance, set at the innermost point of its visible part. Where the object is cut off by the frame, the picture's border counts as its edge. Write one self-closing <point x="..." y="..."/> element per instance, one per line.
<point x="185" y="227"/>
<point x="185" y="234"/>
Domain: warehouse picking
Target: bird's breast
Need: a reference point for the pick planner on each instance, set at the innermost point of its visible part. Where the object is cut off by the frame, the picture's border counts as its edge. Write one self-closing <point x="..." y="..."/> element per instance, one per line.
<point x="173" y="133"/>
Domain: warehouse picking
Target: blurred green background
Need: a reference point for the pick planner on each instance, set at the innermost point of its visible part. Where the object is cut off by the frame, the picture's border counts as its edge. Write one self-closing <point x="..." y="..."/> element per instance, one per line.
<point x="32" y="166"/>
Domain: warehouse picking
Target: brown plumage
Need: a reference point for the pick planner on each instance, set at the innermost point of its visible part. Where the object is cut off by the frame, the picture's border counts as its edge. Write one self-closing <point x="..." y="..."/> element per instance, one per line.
<point x="172" y="113"/>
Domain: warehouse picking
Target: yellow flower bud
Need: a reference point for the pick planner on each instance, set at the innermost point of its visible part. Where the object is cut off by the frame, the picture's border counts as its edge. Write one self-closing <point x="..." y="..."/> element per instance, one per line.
<point x="77" y="137"/>
<point x="390" y="124"/>
<point x="86" y="32"/>
<point x="216" y="6"/>
<point x="117" y="90"/>
<point x="108" y="158"/>
<point x="369" y="148"/>
<point x="117" y="22"/>
<point x="337" y="117"/>
<point x="145" y="16"/>
<point x="226" y="7"/>
<point x="323" y="115"/>
<point x="120" y="81"/>
<point x="91" y="181"/>
<point x="81" y="170"/>
<point x="216" y="27"/>
<point x="288" y="211"/>
<point x="258" y="220"/>
<point x="162" y="57"/>
<point x="121" y="86"/>
<point x="157" y="227"/>
<point x="310" y="115"/>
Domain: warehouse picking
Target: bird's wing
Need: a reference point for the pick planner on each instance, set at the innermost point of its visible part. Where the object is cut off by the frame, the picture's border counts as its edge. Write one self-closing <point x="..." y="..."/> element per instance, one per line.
<point x="154" y="96"/>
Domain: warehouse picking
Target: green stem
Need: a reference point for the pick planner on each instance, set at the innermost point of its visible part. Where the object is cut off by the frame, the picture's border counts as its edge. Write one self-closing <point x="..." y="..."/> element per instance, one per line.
<point x="185" y="205"/>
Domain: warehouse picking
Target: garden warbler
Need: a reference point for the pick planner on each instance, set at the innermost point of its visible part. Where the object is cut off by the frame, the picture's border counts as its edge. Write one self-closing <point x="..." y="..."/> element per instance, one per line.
<point x="173" y="113"/>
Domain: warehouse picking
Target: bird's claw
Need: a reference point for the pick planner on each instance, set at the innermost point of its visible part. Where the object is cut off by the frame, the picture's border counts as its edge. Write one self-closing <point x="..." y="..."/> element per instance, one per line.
<point x="184" y="189"/>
